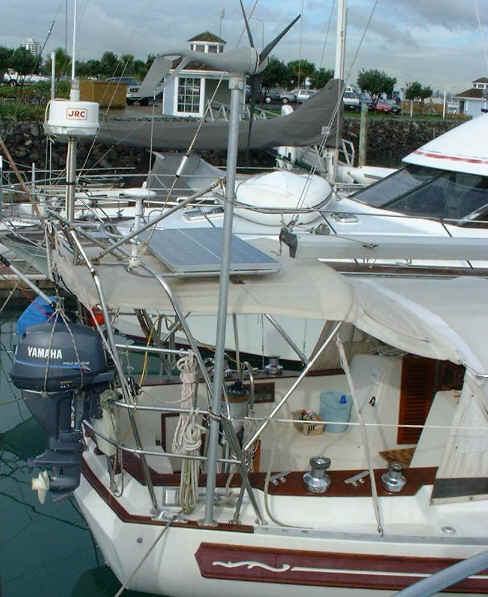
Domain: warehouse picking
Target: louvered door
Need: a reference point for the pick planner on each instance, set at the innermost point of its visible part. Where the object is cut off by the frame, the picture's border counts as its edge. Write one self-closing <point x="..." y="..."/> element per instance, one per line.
<point x="418" y="386"/>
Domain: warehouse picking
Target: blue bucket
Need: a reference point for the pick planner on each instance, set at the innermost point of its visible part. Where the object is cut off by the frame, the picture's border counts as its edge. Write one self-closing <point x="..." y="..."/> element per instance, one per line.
<point x="335" y="406"/>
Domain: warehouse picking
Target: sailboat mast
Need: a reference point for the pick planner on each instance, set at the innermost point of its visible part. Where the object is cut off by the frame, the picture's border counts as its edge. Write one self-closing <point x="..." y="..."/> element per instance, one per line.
<point x="339" y="75"/>
<point x="341" y="40"/>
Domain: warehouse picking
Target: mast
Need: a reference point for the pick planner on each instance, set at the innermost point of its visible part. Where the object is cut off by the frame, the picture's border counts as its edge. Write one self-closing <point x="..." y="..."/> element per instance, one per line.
<point x="339" y="73"/>
<point x="341" y="40"/>
<point x="72" y="144"/>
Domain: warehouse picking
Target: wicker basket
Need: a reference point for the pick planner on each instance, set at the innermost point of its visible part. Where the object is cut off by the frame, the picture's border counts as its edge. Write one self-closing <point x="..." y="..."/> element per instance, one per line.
<point x="307" y="428"/>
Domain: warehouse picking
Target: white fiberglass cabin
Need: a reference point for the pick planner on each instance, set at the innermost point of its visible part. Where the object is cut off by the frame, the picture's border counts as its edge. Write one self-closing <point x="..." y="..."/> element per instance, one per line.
<point x="441" y="190"/>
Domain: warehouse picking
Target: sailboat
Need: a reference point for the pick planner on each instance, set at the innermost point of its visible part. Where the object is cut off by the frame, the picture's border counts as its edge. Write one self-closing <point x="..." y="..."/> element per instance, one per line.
<point x="365" y="470"/>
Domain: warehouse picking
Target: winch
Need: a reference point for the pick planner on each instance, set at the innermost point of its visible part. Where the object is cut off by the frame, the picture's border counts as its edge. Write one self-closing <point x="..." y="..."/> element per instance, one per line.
<point x="62" y="370"/>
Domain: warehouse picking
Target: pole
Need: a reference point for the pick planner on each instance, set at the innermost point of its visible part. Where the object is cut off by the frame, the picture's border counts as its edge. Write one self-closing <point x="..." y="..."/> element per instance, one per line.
<point x="70" y="179"/>
<point x="53" y="75"/>
<point x="339" y="71"/>
<point x="73" y="58"/>
<point x="363" y="134"/>
<point x="341" y="41"/>
<point x="444" y="105"/>
<point x="71" y="159"/>
<point x="236" y="85"/>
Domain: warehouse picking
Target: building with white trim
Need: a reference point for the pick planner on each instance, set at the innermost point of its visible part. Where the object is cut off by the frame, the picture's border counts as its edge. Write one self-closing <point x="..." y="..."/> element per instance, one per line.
<point x="187" y="93"/>
<point x="33" y="46"/>
<point x="474" y="100"/>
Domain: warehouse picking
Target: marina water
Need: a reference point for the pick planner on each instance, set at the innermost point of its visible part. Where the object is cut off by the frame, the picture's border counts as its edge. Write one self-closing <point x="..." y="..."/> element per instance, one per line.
<point x="45" y="549"/>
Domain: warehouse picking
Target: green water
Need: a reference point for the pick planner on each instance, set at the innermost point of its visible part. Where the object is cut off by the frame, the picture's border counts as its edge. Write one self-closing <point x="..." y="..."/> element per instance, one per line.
<point x="45" y="549"/>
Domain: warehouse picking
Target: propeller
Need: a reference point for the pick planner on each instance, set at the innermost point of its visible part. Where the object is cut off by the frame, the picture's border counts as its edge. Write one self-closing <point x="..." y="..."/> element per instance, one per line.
<point x="41" y="485"/>
<point x="262" y="64"/>
<point x="245" y="61"/>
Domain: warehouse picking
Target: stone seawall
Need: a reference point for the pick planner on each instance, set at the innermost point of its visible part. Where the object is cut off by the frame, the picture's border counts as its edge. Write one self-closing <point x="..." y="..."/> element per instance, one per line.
<point x="388" y="141"/>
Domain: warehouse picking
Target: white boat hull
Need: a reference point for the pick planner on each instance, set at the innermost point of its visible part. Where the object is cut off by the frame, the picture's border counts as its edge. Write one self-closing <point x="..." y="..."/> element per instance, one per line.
<point x="174" y="567"/>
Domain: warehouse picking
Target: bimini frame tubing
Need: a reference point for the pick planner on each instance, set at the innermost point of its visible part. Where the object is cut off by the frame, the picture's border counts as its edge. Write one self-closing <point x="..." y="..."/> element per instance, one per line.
<point x="123" y="381"/>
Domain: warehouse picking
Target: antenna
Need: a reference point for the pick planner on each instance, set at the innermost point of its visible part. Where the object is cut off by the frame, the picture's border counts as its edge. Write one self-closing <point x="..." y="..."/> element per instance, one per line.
<point x="73" y="59"/>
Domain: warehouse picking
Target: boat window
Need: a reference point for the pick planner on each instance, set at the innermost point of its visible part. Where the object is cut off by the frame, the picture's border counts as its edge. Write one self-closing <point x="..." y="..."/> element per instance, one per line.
<point x="396" y="185"/>
<point x="452" y="196"/>
<point x="426" y="192"/>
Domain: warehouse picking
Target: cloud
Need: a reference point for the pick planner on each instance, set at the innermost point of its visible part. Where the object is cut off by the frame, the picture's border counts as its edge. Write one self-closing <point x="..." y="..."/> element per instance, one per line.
<point x="434" y="41"/>
<point x="451" y="14"/>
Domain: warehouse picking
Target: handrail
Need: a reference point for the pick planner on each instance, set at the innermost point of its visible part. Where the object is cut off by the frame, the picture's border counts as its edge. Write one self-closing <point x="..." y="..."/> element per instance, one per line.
<point x="144" y="453"/>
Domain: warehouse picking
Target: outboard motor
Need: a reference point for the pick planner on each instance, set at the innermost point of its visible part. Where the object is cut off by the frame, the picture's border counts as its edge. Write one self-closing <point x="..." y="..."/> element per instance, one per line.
<point x="61" y="369"/>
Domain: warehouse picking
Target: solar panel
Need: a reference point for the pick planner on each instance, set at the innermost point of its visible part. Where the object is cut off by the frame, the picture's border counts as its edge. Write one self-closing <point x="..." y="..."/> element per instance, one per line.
<point x="194" y="250"/>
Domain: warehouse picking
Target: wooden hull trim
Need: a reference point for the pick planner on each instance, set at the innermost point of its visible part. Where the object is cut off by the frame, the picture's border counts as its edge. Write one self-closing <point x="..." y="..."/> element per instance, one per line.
<point x="325" y="569"/>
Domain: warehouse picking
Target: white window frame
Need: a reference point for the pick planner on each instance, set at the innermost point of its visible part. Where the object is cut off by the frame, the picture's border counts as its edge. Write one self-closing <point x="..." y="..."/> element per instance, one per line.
<point x="202" y="96"/>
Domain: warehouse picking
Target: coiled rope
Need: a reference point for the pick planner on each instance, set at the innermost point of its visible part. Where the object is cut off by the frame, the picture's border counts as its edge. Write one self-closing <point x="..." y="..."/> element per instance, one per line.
<point x="188" y="437"/>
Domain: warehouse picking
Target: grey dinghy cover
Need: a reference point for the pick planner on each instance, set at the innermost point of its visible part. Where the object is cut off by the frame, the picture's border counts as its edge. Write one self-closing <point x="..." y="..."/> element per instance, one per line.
<point x="300" y="128"/>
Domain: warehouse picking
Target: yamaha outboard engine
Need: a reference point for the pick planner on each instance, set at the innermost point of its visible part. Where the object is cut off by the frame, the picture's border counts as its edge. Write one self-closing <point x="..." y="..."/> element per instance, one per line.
<point x="61" y="369"/>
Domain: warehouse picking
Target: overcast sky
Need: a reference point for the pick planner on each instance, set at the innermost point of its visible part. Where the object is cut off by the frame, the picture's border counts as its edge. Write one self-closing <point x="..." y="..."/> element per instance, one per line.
<point x="437" y="42"/>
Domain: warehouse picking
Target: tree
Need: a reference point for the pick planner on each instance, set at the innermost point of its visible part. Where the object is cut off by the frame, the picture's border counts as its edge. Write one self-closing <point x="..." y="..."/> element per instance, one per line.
<point x="5" y="56"/>
<point x="89" y="68"/>
<point x="416" y="91"/>
<point x="413" y="91"/>
<point x="62" y="63"/>
<point x="141" y="68"/>
<point x="376" y="82"/>
<point x="275" y="74"/>
<point x="321" y="77"/>
<point x="23" y="61"/>
<point x="299" y="70"/>
<point x="127" y="64"/>
<point x="109" y="64"/>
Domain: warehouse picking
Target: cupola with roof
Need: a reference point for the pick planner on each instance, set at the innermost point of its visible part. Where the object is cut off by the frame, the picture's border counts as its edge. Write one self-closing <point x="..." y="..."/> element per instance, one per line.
<point x="207" y="42"/>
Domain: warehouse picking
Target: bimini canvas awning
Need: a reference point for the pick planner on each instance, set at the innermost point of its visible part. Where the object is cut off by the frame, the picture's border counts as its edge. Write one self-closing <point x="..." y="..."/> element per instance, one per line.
<point x="440" y="319"/>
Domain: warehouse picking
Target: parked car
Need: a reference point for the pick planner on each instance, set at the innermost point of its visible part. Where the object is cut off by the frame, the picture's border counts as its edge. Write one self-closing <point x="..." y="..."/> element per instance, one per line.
<point x="303" y="94"/>
<point x="396" y="107"/>
<point x="278" y="95"/>
<point x="133" y="86"/>
<point x="12" y="78"/>
<point x="387" y="107"/>
<point x="351" y="101"/>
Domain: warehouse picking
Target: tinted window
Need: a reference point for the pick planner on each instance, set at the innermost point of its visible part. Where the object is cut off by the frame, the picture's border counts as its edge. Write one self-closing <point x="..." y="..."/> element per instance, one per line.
<point x="426" y="192"/>
<point x="394" y="186"/>
<point x="453" y="195"/>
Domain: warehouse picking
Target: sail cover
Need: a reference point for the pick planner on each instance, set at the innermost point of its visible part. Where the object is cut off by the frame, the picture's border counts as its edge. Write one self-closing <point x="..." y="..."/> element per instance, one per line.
<point x="302" y="127"/>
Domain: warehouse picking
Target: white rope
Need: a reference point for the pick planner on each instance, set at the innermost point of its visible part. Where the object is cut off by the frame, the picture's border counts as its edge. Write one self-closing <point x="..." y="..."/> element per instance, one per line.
<point x="188" y="437"/>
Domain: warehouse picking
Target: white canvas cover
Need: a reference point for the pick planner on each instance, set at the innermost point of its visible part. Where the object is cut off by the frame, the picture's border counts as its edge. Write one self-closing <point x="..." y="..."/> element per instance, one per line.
<point x="441" y="319"/>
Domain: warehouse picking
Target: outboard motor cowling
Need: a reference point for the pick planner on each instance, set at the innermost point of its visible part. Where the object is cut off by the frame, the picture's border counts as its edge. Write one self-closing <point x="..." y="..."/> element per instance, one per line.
<point x="53" y="357"/>
<point x="61" y="369"/>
